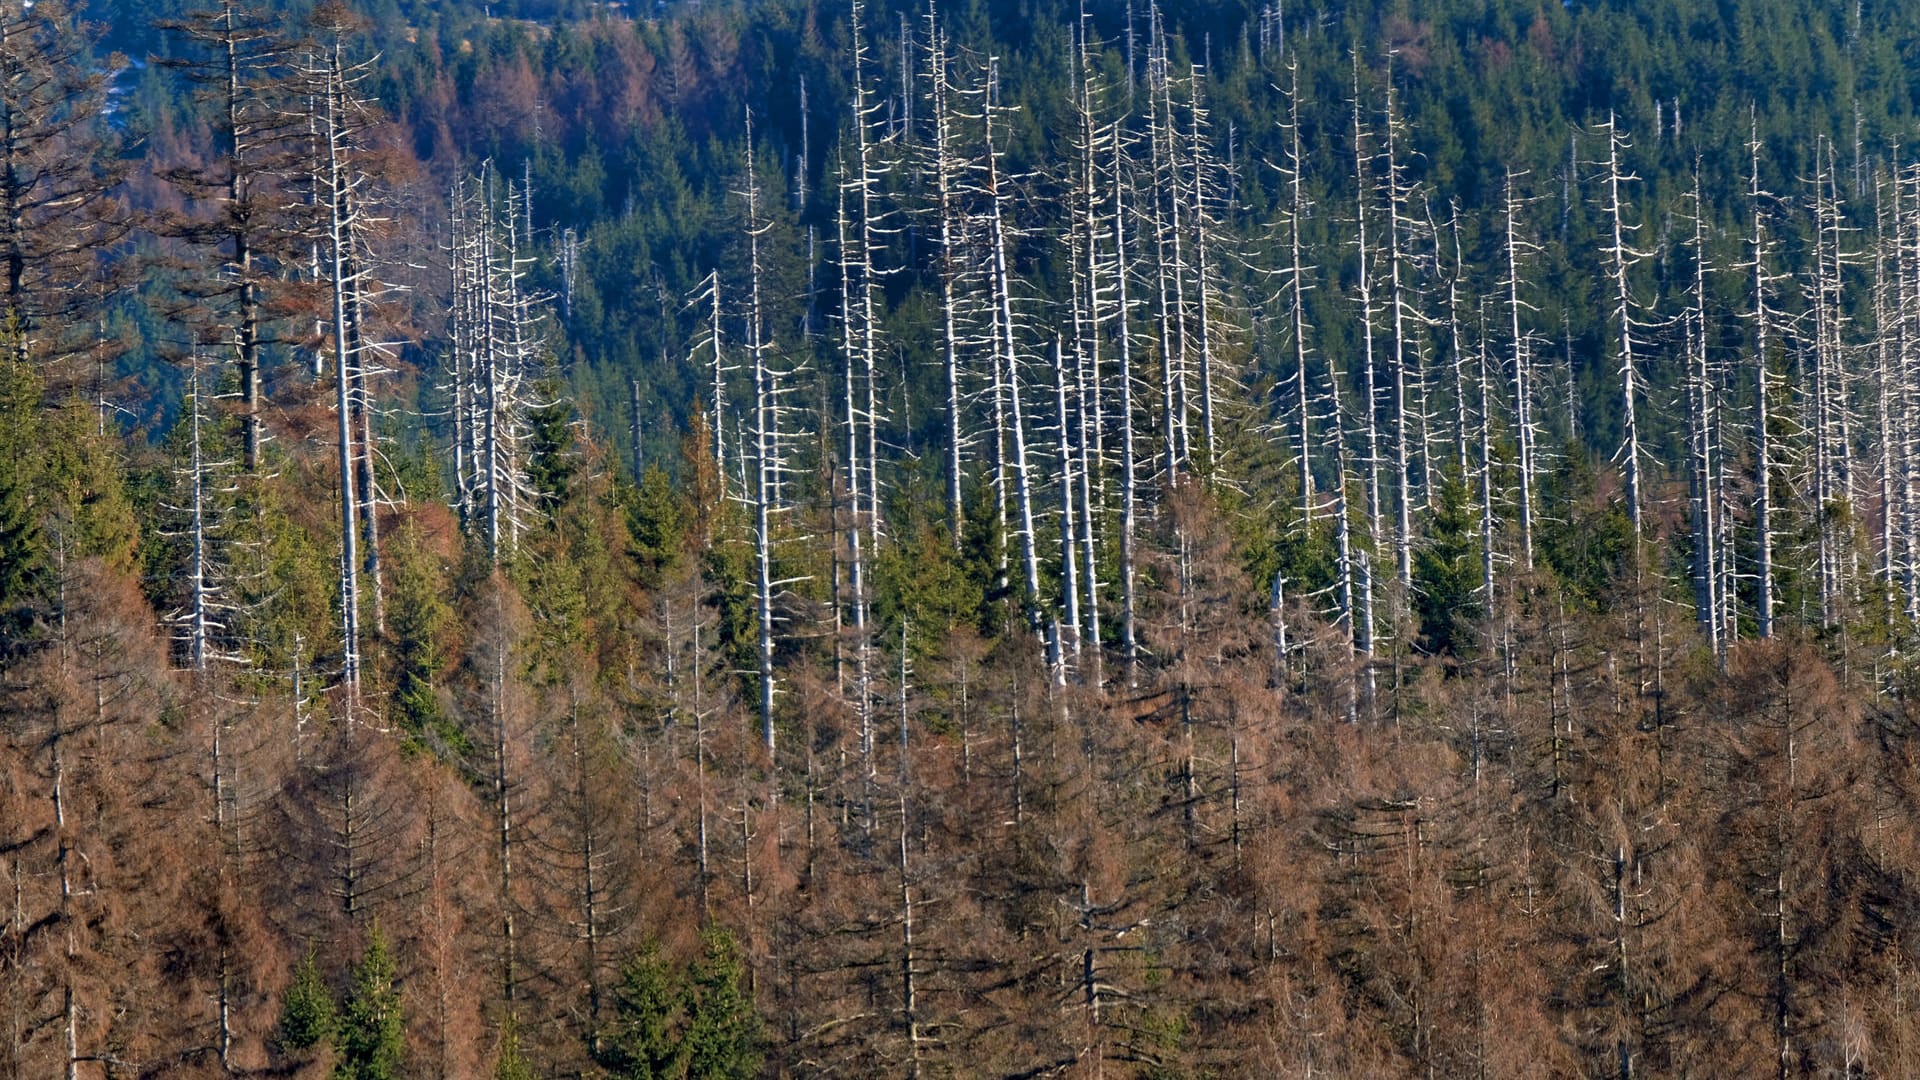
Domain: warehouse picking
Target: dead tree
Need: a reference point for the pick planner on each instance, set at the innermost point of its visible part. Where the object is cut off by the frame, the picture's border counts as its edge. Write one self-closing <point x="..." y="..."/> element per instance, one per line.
<point x="1129" y="464"/>
<point x="997" y="194"/>
<point x="340" y="118"/>
<point x="58" y="172"/>
<point x="1830" y="394"/>
<point x="1620" y="258"/>
<point x="1406" y="317"/>
<point x="1887" y="390"/>
<point x="855" y="341"/>
<point x="342" y="186"/>
<point x="946" y="170"/>
<point x="1066" y="460"/>
<point x="1456" y="340"/>
<point x="1488" y="516"/>
<point x="1361" y="611"/>
<point x="1091" y="272"/>
<point x="712" y="341"/>
<point x="769" y="445"/>
<point x="1204" y="193"/>
<point x="1702" y="403"/>
<point x="1524" y="429"/>
<point x="1761" y="248"/>
<point x="498" y="361"/>
<point x="200" y="624"/>
<point x="241" y="78"/>
<point x="1906" y="272"/>
<point x="1294" y="171"/>
<point x="1169" y="263"/>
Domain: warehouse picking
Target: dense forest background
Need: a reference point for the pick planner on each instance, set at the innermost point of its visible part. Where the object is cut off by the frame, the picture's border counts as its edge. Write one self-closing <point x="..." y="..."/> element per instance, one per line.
<point x="1022" y="539"/>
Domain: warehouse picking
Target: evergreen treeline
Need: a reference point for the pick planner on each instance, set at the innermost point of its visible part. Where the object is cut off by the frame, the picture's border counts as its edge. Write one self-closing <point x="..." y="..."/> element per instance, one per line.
<point x="767" y="539"/>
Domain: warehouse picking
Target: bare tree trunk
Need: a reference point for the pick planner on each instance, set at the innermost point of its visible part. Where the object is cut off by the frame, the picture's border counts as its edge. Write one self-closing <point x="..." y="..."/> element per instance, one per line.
<point x="1202" y="221"/>
<point x="503" y="809"/>
<point x="1370" y="405"/>
<point x="705" y="874"/>
<point x="1456" y="343"/>
<point x="1069" y="570"/>
<point x="1129" y="493"/>
<point x="950" y="242"/>
<point x="1523" y="426"/>
<point x="1008" y="363"/>
<point x="1169" y="277"/>
<point x="1362" y="610"/>
<point x="1089" y="382"/>
<point x="719" y="374"/>
<point x="1356" y="612"/>
<point x="1397" y="221"/>
<point x="1087" y="388"/>
<point x="490" y="389"/>
<point x="909" y="989"/>
<point x="1763" y="462"/>
<point x="1700" y="408"/>
<point x="1023" y="486"/>
<point x="766" y="465"/>
<point x="1486" y="474"/>
<point x="339" y="226"/>
<point x="854" y="341"/>
<point x="1822" y="400"/>
<point x="63" y="837"/>
<point x="1906" y="226"/>
<point x="1886" y="437"/>
<point x="869" y="314"/>
<point x="1296" y="284"/>
<point x="361" y="376"/>
<point x="1282" y="649"/>
<point x="460" y="325"/>
<point x="1619" y="258"/>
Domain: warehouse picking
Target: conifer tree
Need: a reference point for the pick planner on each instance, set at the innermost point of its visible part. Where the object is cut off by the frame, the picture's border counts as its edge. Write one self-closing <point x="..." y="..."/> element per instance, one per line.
<point x="25" y="572"/>
<point x="639" y="1043"/>
<point x="371" y="1030"/>
<point x="722" y="1033"/>
<point x="308" y="1017"/>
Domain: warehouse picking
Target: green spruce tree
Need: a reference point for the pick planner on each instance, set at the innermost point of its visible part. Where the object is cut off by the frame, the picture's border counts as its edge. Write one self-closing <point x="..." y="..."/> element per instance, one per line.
<point x="643" y="1042"/>
<point x="1446" y="573"/>
<point x="307" y="1015"/>
<point x="372" y="1030"/>
<point x="512" y="1063"/>
<point x="723" y="1032"/>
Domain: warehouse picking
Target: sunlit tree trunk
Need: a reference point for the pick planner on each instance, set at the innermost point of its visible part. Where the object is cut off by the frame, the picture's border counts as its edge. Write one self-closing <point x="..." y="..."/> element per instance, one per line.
<point x="1761" y="247"/>
<point x="1620" y="259"/>
<point x="1523" y="423"/>
<point x="1701" y="405"/>
<point x="1295" y="174"/>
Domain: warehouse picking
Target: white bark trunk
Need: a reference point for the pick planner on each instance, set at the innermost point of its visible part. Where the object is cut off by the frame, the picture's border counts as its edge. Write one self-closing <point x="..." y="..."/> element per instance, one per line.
<point x="1523" y="425"/>
<point x="1762" y="446"/>
<point x="1620" y="258"/>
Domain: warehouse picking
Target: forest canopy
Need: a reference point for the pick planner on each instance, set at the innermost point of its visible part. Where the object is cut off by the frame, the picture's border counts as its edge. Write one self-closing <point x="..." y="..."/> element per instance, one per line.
<point x="743" y="539"/>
